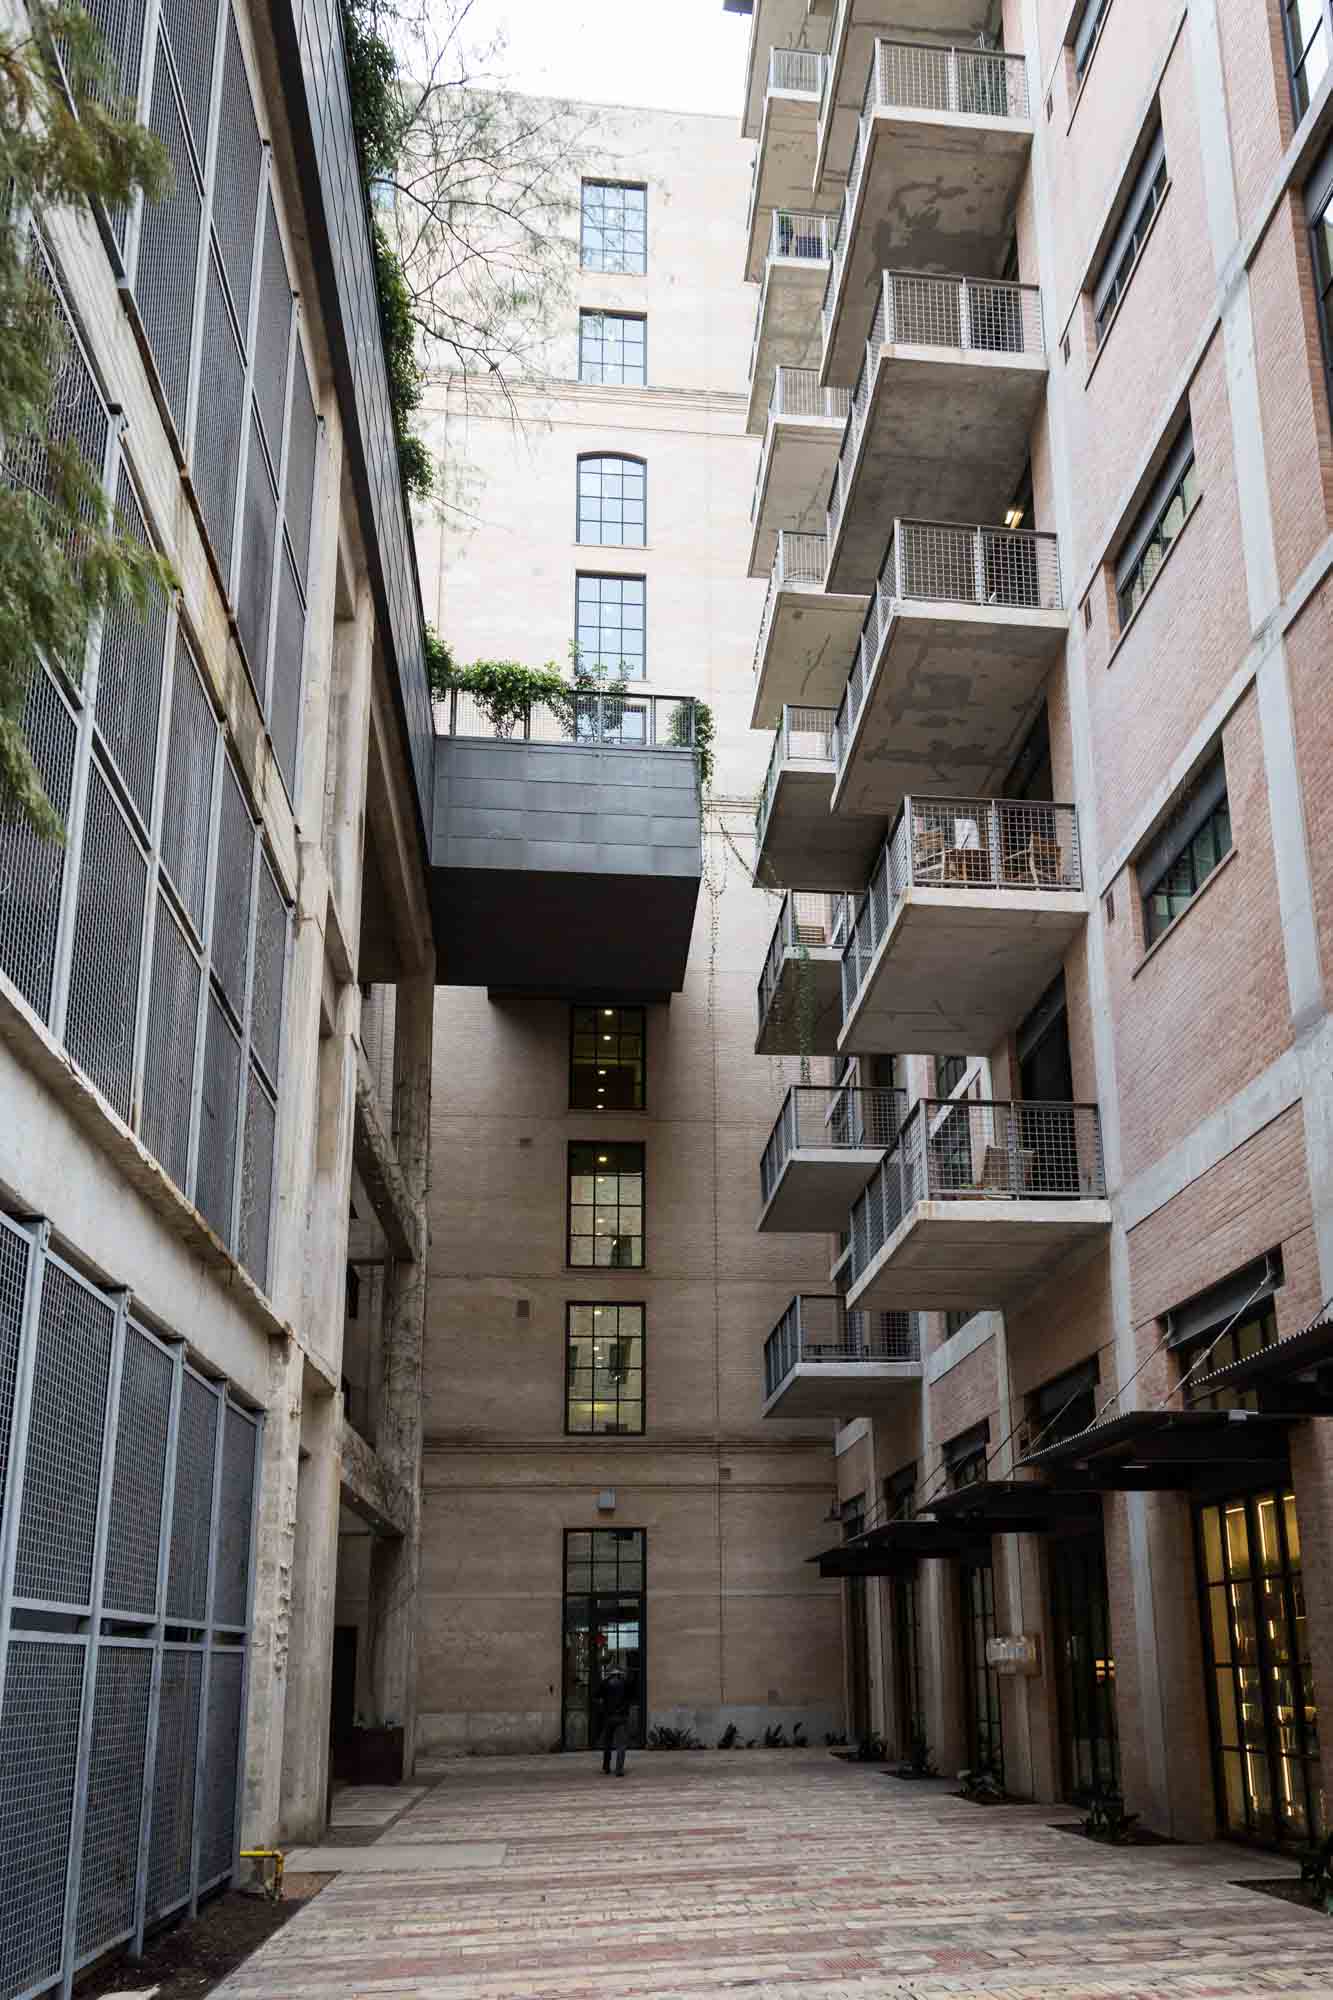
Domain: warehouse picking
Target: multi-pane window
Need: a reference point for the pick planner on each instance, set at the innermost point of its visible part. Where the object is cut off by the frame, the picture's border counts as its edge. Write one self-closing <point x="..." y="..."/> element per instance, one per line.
<point x="605" y="1206"/>
<point x="604" y="1370"/>
<point x="1218" y="1347"/>
<point x="614" y="234"/>
<point x="1117" y="266"/>
<point x="609" y="625"/>
<point x="613" y="501"/>
<point x="1156" y="526"/>
<point x="1187" y="850"/>
<point x="949" y="1073"/>
<point x="606" y="1058"/>
<point x="1088" y="32"/>
<point x="1319" y="209"/>
<point x="1307" y="38"/>
<point x="613" y="347"/>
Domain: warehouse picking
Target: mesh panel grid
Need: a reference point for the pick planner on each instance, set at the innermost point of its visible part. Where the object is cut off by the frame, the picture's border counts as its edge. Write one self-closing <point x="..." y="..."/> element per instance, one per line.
<point x="254" y="589"/>
<point x="39" y="1740"/>
<point x="236" y="177"/>
<point x="189" y="801"/>
<point x="129" y="674"/>
<point x="192" y="1512"/>
<point x="58" y="1522"/>
<point x="134" y="1527"/>
<point x="32" y="870"/>
<point x="217" y="432"/>
<point x="270" y="970"/>
<point x="257" y="1182"/>
<point x="104" y="971"/>
<point x="231" y="1568"/>
<point x="192" y="27"/>
<point x="173" y="1015"/>
<point x="232" y="891"/>
<point x="164" y="279"/>
<point x="169" y="1853"/>
<point x="218" y="1110"/>
<point x="76" y="414"/>
<point x="15" y="1252"/>
<point x="302" y="444"/>
<point x="272" y="334"/>
<point x="217" y="1804"/>
<point x="285" y="678"/>
<point x="115" y="1793"/>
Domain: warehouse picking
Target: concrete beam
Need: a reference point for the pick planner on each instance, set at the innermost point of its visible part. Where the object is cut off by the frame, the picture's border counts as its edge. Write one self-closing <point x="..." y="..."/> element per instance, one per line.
<point x="369" y="1488"/>
<point x="377" y="1163"/>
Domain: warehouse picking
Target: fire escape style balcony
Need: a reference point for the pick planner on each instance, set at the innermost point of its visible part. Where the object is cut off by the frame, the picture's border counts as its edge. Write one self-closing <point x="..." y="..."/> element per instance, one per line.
<point x="961" y="632"/>
<point x="773" y="24"/>
<point x="951" y="381"/>
<point x="976" y="1204"/>
<point x="784" y="157"/>
<point x="823" y="1361"/>
<point x="969" y="914"/>
<point x="800" y="987"/>
<point x="798" y="843"/>
<point x="826" y="1143"/>
<point x="566" y="854"/>
<point x="940" y="149"/>
<point x="855" y="26"/>
<point x="801" y="439"/>
<point x="786" y="322"/>
<point x="806" y="635"/>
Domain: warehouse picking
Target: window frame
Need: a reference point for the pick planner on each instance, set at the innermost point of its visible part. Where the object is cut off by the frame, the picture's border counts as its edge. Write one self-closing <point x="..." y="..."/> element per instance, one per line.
<point x="1138" y="211"/>
<point x="622" y="381"/>
<point x="1195" y="809"/>
<point x="604" y="458"/>
<point x="1296" y="64"/>
<point x="1318" y="196"/>
<point x="601" y="1008"/>
<point x="582" y="576"/>
<point x="638" y="1146"/>
<point x="1170" y="485"/>
<point x="622" y="269"/>
<point x="617" y="1306"/>
<point x="1084" y="38"/>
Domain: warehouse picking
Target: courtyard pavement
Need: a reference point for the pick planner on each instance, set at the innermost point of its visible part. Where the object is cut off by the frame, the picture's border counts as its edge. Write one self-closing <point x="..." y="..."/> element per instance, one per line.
<point x="788" y="1874"/>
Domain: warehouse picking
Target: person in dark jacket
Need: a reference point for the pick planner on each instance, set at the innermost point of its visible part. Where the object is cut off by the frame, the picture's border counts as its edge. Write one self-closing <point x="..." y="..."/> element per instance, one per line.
<point x="615" y="1720"/>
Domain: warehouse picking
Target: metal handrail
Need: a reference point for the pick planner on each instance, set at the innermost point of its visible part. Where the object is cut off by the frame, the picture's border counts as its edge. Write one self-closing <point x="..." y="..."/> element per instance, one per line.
<point x="809" y="921"/>
<point x="798" y="558"/>
<point x="961" y="845"/>
<point x="610" y="721"/>
<point x="820" y="1330"/>
<point x="834" y="1115"/>
<point x="804" y="736"/>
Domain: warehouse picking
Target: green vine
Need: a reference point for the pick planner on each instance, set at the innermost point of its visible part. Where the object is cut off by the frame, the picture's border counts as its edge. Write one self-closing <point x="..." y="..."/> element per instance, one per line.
<point x="506" y="692"/>
<point x="807" y="1008"/>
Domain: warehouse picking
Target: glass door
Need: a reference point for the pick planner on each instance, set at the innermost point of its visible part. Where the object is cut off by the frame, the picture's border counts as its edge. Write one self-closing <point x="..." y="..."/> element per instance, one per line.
<point x="910" y="1718"/>
<point x="1084" y="1665"/>
<point x="604" y="1627"/>
<point x="981" y="1684"/>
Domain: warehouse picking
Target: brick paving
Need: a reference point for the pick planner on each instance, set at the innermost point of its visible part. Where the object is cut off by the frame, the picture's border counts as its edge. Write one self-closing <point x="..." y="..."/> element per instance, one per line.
<point x="789" y="1875"/>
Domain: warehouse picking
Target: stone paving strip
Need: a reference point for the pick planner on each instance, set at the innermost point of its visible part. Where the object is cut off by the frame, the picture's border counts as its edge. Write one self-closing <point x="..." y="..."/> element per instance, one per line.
<point x="783" y="1874"/>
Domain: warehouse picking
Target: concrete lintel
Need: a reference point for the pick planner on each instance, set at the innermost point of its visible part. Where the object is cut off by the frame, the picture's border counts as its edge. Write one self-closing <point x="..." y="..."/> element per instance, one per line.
<point x="377" y="1163"/>
<point x="368" y="1487"/>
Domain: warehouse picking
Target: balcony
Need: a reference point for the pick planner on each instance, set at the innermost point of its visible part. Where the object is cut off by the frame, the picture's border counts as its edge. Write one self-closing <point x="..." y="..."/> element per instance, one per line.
<point x="565" y="849"/>
<point x="805" y="635"/>
<point x="784" y="157"/>
<point x="977" y="1204"/>
<point x="963" y="627"/>
<point x="786" y="323"/>
<point x="851" y="45"/>
<point x="798" y="843"/>
<point x="800" y="987"/>
<point x="822" y="1361"/>
<point x="969" y="914"/>
<point x="951" y="381"/>
<point x="826" y="1143"/>
<point x="773" y="23"/>
<point x="801" y="440"/>
<point x="940" y="149"/>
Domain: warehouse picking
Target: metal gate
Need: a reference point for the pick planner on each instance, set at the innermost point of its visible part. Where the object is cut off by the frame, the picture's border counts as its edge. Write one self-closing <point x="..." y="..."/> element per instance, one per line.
<point x="128" y="1485"/>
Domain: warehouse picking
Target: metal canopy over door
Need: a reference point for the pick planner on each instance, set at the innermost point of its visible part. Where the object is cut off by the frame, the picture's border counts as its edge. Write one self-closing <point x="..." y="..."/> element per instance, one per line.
<point x="604" y="1626"/>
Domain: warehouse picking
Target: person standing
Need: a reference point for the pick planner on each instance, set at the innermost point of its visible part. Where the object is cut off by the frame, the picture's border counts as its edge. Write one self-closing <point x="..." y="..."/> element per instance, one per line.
<point x="615" y="1694"/>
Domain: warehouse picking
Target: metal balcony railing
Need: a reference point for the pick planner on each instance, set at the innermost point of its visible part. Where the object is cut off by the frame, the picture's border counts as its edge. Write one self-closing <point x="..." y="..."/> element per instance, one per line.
<point x="961" y="844"/>
<point x="924" y="76"/>
<point x="796" y="393"/>
<point x="817" y="1114"/>
<point x="804" y="736"/>
<point x="807" y="921"/>
<point x="623" y="722"/>
<point x="971" y="1150"/>
<point x="798" y="559"/>
<point x="820" y="1329"/>
<point x="936" y="562"/>
<point x="964" y="315"/>
<point x="797" y="69"/>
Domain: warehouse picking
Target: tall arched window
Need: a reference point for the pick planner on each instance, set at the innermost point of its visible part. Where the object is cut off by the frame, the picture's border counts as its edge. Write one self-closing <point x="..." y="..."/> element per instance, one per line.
<point x="613" y="500"/>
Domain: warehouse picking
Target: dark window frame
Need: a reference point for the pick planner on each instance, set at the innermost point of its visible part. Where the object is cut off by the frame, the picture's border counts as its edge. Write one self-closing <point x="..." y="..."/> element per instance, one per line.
<point x="591" y="1596"/>
<point x="1152" y="530"/>
<point x="1318" y="194"/>
<point x="1119" y="261"/>
<point x="616" y="267"/>
<point x="612" y="380"/>
<point x="1085" y="37"/>
<point x="583" y="576"/>
<point x="1223" y="1344"/>
<point x="603" y="459"/>
<point x="1298" y="61"/>
<point x="949" y="1073"/>
<point x="600" y="1008"/>
<point x="634" y="1145"/>
<point x="617" y="1306"/>
<point x="1203" y="807"/>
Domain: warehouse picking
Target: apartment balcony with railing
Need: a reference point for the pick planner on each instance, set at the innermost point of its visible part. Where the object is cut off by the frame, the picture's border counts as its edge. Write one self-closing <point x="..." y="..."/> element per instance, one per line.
<point x="976" y="610"/>
<point x="941" y="145"/>
<point x="976" y="1204"/>
<point x="856" y="23"/>
<point x="826" y="1142"/>
<point x="774" y="24"/>
<point x="565" y="845"/>
<point x="806" y="634"/>
<point x="801" y="439"/>
<point x="969" y="913"/>
<point x="800" y="987"/>
<point x="784" y="158"/>
<point x="798" y="843"/>
<point x="786" y="321"/>
<point x="822" y="1361"/>
<point x="951" y="381"/>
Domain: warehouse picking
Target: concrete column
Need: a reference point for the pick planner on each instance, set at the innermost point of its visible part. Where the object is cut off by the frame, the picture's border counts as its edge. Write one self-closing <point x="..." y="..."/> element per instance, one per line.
<point x="305" y="1742"/>
<point x="270" y="1643"/>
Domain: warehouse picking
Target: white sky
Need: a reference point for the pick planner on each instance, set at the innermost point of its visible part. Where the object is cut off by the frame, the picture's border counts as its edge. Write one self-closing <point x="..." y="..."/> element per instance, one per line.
<point x="688" y="56"/>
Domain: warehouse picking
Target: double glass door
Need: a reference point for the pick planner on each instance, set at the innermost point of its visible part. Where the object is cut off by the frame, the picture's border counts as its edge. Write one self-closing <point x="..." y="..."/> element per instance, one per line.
<point x="604" y="1628"/>
<point x="981" y="1684"/>
<point x="1085" y="1666"/>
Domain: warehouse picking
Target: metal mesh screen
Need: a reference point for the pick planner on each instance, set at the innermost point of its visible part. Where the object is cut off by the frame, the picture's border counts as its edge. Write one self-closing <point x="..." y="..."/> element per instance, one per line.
<point x="236" y="177"/>
<point x="15" y="1252"/>
<point x="192" y="1511"/>
<point x="273" y="327"/>
<point x="169" y="249"/>
<point x="129" y="674"/>
<point x="231" y="893"/>
<point x="256" y="1181"/>
<point x="115" y="1794"/>
<point x="254" y="588"/>
<point x="284" y="692"/>
<point x="270" y="968"/>
<point x="104" y="971"/>
<point x="39" y="1740"/>
<point x="301" y="446"/>
<point x="217" y="440"/>
<point x="217" y="1804"/>
<point x="189" y="802"/>
<point x="134" y="1528"/>
<point x="121" y="23"/>
<point x="170" y="1846"/>
<point x="53" y="1561"/>
<point x="231" y="1567"/>
<point x="173" y="1015"/>
<point x="76" y="414"/>
<point x="215" y="1174"/>
<point x="32" y="871"/>
<point x="192" y="26"/>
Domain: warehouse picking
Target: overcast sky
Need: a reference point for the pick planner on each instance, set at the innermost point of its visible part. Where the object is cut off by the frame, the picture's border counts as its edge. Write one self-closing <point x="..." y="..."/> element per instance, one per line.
<point x="689" y="56"/>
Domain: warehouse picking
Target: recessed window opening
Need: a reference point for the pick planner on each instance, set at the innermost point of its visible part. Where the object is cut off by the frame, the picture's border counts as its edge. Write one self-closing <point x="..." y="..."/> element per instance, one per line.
<point x="1159" y="521"/>
<point x="1117" y="266"/>
<point x="1195" y="839"/>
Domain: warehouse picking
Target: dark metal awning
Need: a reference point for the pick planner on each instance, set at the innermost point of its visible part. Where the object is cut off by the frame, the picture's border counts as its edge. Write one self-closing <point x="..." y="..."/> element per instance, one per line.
<point x="1292" y="1378"/>
<point x="1020" y="1507"/>
<point x="1170" y="1450"/>
<point x="845" y="1562"/>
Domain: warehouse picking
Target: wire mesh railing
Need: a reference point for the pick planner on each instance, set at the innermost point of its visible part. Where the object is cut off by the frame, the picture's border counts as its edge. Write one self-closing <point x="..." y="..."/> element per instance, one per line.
<point x="974" y="1150"/>
<point x="1013" y="844"/>
<point x="797" y="70"/>
<point x="792" y="236"/>
<point x="807" y="921"/>
<point x="817" y="1115"/>
<point x="804" y="736"/>
<point x="975" y="315"/>
<point x="615" y="721"/>
<point x="820" y="1330"/>
<point x="798" y="559"/>
<point x="796" y="394"/>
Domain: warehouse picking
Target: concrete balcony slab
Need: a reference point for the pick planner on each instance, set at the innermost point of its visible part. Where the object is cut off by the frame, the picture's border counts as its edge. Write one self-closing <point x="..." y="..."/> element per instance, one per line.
<point x="773" y="24"/>
<point x="801" y="442"/>
<point x="806" y="636"/>
<point x="799" y="845"/>
<point x="843" y="1388"/>
<point x="822" y="1361"/>
<point x="957" y="1255"/>
<point x="786" y="328"/>
<point x="827" y="1140"/>
<point x="800" y="987"/>
<point x="815" y="1189"/>
<point x="784" y="157"/>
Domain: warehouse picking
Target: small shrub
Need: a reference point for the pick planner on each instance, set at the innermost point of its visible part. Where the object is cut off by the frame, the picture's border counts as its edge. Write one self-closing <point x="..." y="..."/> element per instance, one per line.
<point x="870" y="1750"/>
<point x="918" y="1763"/>
<point x="1317" y="1875"/>
<point x="798" y="1741"/>
<point x="980" y="1784"/>
<point x="729" y="1738"/>
<point x="834" y="1739"/>
<point x="663" y="1738"/>
<point x="775" y="1737"/>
